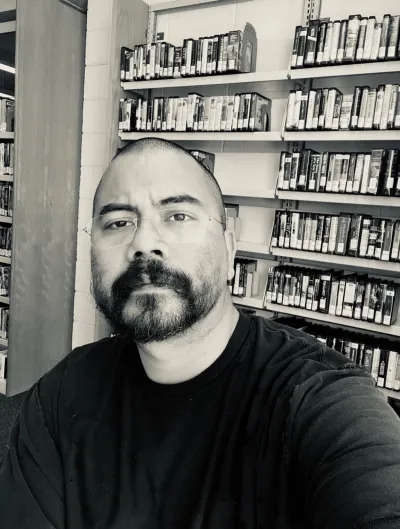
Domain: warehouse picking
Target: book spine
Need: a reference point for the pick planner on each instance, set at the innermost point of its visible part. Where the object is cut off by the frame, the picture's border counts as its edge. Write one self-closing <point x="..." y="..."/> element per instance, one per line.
<point x="295" y="49"/>
<point x="361" y="39"/>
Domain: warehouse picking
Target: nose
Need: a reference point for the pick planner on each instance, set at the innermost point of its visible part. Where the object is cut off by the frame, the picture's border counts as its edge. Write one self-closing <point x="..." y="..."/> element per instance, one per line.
<point x="146" y="240"/>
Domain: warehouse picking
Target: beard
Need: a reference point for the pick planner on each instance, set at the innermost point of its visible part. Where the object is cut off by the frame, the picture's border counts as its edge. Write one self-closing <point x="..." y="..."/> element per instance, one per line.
<point x="154" y="317"/>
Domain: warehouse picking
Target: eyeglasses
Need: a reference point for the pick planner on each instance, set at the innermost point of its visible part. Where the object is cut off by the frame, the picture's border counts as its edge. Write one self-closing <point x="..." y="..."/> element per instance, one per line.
<point x="175" y="226"/>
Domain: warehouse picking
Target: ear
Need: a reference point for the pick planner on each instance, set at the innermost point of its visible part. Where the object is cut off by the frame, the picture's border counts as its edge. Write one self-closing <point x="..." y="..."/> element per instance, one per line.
<point x="230" y="242"/>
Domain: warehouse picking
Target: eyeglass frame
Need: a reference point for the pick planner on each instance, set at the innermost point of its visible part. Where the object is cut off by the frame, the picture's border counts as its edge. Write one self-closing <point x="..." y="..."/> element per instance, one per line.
<point x="87" y="231"/>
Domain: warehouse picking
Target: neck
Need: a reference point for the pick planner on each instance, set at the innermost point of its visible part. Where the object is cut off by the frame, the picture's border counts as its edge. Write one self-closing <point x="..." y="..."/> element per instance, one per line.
<point x="184" y="357"/>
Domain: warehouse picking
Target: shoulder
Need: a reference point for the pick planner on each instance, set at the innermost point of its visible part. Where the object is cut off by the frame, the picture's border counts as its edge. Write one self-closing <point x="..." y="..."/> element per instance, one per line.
<point x="76" y="385"/>
<point x="298" y="352"/>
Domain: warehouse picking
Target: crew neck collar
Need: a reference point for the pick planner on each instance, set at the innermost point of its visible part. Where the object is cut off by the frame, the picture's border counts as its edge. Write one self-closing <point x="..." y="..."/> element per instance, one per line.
<point x="212" y="372"/>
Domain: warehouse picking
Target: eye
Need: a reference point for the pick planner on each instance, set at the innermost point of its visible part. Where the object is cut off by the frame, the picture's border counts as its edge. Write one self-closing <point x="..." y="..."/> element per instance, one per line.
<point x="118" y="224"/>
<point x="179" y="217"/>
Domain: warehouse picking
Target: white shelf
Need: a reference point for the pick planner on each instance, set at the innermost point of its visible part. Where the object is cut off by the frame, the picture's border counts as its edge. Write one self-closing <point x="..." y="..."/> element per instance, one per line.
<point x="204" y="136"/>
<point x="253" y="247"/>
<point x="256" y="193"/>
<point x="4" y="341"/>
<point x="5" y="260"/>
<point x="343" y="135"/>
<point x="392" y="330"/>
<point x="6" y="178"/>
<point x="5" y="300"/>
<point x="176" y="4"/>
<point x="210" y="80"/>
<point x="378" y="67"/>
<point x="7" y="27"/>
<point x="6" y="135"/>
<point x="5" y="220"/>
<point x="255" y="303"/>
<point x="339" y="198"/>
<point x="342" y="260"/>
<point x="390" y="393"/>
<point x="3" y="387"/>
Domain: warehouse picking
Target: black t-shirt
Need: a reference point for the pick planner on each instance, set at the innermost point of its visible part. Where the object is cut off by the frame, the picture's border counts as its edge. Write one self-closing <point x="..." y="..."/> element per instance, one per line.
<point x="279" y="432"/>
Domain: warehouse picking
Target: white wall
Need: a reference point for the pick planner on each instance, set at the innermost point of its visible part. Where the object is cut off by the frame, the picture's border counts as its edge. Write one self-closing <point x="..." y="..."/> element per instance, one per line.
<point x="94" y="149"/>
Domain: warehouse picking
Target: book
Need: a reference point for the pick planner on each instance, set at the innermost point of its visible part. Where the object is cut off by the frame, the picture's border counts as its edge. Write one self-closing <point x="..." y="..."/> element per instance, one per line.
<point x="353" y="30"/>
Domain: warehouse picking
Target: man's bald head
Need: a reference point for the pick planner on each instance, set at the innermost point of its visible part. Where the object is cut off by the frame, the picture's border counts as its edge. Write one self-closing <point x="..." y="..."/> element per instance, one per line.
<point x="150" y="145"/>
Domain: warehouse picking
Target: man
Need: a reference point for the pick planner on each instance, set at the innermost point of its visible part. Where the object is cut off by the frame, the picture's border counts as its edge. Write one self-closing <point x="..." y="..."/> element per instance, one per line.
<point x="194" y="416"/>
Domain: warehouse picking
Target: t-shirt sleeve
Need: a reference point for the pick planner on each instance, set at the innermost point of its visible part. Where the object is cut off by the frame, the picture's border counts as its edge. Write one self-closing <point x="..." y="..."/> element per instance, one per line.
<point x="344" y="449"/>
<point x="31" y="482"/>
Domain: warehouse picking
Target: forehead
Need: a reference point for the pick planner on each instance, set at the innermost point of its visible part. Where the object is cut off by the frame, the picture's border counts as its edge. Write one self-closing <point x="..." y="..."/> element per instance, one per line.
<point x="137" y="177"/>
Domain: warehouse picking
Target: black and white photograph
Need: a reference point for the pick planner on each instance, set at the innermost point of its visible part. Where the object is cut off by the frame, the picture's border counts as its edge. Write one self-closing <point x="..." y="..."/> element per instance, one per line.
<point x="199" y="264"/>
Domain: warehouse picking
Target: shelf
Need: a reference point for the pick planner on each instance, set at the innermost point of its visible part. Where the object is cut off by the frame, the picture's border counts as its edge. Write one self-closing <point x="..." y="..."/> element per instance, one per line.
<point x="6" y="135"/>
<point x="5" y="300"/>
<point x="390" y="393"/>
<point x="253" y="247"/>
<point x="378" y="67"/>
<point x="342" y="260"/>
<point x="392" y="330"/>
<point x="5" y="260"/>
<point x="339" y="198"/>
<point x="7" y="27"/>
<point x="255" y="303"/>
<point x="268" y="193"/>
<point x="5" y="220"/>
<point x="343" y="135"/>
<point x="210" y="80"/>
<point x="204" y="136"/>
<point x="4" y="341"/>
<point x="176" y="4"/>
<point x="6" y="178"/>
<point x="3" y="387"/>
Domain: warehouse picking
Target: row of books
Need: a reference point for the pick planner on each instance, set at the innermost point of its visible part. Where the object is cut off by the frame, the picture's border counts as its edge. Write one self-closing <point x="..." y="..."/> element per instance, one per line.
<point x="364" y="350"/>
<point x="7" y="112"/>
<point x="219" y="54"/>
<point x="328" y="109"/>
<point x="3" y="365"/>
<point x="354" y="235"/>
<point x="241" y="112"/>
<point x="245" y="282"/>
<point x="356" y="39"/>
<point x="6" y="199"/>
<point x="4" y="321"/>
<point x="374" y="173"/>
<point x="6" y="158"/>
<point x="5" y="240"/>
<point x="5" y="273"/>
<point x="338" y="293"/>
<point x="381" y="358"/>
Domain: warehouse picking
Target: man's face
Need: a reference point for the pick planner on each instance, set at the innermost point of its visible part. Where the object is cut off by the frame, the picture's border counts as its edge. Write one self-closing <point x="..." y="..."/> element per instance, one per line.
<point x="154" y="287"/>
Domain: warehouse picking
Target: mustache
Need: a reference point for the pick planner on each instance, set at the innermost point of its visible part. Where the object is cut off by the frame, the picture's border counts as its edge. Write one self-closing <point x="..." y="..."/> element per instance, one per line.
<point x="144" y="272"/>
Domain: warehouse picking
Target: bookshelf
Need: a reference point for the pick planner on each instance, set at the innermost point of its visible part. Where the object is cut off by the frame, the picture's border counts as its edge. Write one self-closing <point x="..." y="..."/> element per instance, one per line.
<point x="274" y="79"/>
<point x="343" y="135"/>
<point x="255" y="303"/>
<point x="345" y="70"/>
<point x="390" y="393"/>
<point x="374" y="265"/>
<point x="46" y="171"/>
<point x="204" y="136"/>
<point x="6" y="135"/>
<point x="392" y="330"/>
<point x="213" y="80"/>
<point x="339" y="198"/>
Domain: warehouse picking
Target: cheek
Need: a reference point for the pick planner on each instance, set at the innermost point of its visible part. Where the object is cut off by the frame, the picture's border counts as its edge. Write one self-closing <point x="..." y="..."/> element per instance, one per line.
<point x="107" y="266"/>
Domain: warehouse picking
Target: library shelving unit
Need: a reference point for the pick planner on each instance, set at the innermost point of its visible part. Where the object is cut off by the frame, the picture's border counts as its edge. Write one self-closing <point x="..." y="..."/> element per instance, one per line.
<point x="280" y="79"/>
<point x="49" y="74"/>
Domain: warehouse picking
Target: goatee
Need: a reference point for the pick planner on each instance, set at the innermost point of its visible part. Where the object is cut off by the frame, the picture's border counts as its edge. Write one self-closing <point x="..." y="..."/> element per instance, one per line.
<point x="153" y="320"/>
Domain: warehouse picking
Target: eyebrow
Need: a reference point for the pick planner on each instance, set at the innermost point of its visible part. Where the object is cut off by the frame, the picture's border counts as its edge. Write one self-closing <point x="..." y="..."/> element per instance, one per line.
<point x="177" y="199"/>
